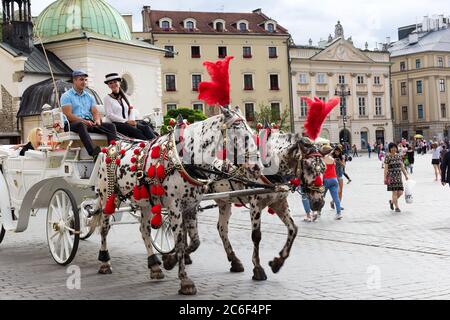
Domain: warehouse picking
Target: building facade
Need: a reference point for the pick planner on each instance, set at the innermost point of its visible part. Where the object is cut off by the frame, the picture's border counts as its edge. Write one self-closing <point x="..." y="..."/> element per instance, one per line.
<point x="258" y="72"/>
<point x="420" y="78"/>
<point x="364" y="115"/>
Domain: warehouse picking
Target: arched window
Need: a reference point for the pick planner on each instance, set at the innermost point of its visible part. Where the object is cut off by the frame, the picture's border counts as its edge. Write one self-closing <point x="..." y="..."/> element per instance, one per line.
<point x="190" y="25"/>
<point x="165" y="25"/>
<point x="219" y="26"/>
<point x="242" y="27"/>
<point x="270" y="27"/>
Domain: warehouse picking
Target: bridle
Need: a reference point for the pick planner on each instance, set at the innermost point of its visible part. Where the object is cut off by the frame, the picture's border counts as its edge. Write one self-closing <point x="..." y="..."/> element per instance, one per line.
<point x="318" y="169"/>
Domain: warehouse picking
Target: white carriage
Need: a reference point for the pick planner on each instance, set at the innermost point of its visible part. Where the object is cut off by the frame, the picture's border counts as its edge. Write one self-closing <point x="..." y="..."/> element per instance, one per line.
<point x="60" y="179"/>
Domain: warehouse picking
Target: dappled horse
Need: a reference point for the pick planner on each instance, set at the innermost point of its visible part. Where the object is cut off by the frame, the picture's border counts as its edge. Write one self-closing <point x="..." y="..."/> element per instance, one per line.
<point x="155" y="175"/>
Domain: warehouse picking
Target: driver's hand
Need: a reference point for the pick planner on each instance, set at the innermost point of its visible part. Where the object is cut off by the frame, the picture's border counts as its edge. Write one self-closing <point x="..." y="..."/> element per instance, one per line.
<point x="98" y="122"/>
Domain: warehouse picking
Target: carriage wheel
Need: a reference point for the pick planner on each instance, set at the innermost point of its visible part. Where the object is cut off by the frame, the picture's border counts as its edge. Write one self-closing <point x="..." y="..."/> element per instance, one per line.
<point x="63" y="227"/>
<point x="162" y="238"/>
<point x="2" y="233"/>
<point x="85" y="220"/>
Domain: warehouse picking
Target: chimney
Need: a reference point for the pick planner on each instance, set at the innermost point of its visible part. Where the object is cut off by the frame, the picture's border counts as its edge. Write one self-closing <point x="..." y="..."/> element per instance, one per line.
<point x="146" y="21"/>
<point x="257" y="11"/>
<point x="18" y="30"/>
<point x="388" y="40"/>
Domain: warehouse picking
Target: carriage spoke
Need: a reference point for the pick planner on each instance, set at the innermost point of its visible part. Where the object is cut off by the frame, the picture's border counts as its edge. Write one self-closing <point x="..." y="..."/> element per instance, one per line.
<point x="61" y="248"/>
<point x="54" y="209"/>
<point x="66" y="245"/>
<point x="69" y="239"/>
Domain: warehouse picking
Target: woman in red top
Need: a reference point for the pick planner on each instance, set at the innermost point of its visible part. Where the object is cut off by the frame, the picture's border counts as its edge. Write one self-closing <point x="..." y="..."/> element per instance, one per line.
<point x="331" y="183"/>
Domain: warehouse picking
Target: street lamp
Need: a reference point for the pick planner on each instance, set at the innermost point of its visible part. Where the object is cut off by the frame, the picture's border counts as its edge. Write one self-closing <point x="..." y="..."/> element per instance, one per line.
<point x="341" y="92"/>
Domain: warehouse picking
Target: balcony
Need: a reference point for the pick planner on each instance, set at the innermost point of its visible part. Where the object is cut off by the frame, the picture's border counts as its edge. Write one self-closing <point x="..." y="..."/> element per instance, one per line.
<point x="322" y="87"/>
<point x="304" y="87"/>
<point x="362" y="88"/>
<point x="378" y="88"/>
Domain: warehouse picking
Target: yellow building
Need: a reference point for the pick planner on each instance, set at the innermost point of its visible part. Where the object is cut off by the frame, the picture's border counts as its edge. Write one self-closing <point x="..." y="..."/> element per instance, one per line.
<point x="258" y="73"/>
<point x="364" y="115"/>
<point x="420" y="77"/>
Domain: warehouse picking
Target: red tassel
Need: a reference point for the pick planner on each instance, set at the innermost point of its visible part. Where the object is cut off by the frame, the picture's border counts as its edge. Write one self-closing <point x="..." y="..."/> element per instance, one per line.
<point x="110" y="206"/>
<point x="144" y="193"/>
<point x="295" y="182"/>
<point x="156" y="221"/>
<point x="151" y="172"/>
<point x="271" y="211"/>
<point x="156" y="152"/>
<point x="172" y="122"/>
<point x="218" y="90"/>
<point x="137" y="152"/>
<point x="160" y="172"/>
<point x="318" y="181"/>
<point x="104" y="150"/>
<point x="122" y="152"/>
<point x="136" y="193"/>
<point x="318" y="110"/>
<point x="108" y="160"/>
<point x="156" y="209"/>
<point x="222" y="154"/>
<point x="133" y="168"/>
<point x="133" y="160"/>
<point x="113" y="142"/>
<point x="118" y="162"/>
<point x="142" y="145"/>
<point x="157" y="190"/>
<point x="259" y="126"/>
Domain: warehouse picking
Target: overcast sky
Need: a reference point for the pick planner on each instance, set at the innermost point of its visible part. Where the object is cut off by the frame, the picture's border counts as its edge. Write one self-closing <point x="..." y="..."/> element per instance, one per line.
<point x="364" y="20"/>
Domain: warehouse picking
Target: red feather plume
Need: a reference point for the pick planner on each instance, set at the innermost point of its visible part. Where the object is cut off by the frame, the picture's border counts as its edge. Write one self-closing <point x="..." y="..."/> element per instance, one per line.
<point x="218" y="90"/>
<point x="318" y="111"/>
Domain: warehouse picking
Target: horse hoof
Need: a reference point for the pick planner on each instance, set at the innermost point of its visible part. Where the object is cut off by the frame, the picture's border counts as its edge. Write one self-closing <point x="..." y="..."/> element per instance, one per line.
<point x="105" y="270"/>
<point x="156" y="275"/>
<point x="187" y="259"/>
<point x="236" y="266"/>
<point x="187" y="288"/>
<point x="276" y="264"/>
<point x="259" y="274"/>
<point x="169" y="261"/>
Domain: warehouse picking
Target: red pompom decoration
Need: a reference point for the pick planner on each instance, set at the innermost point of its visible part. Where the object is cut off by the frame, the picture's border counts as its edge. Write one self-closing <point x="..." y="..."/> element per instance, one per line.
<point x="295" y="182"/>
<point x="110" y="206"/>
<point x="238" y="205"/>
<point x="318" y="181"/>
<point x="142" y="145"/>
<point x="156" y="209"/>
<point x="133" y="168"/>
<point x="113" y="142"/>
<point x="157" y="190"/>
<point x="151" y="172"/>
<point x="156" y="221"/>
<point x="104" y="150"/>
<point x="118" y="162"/>
<point x="156" y="152"/>
<point x="133" y="160"/>
<point x="222" y="155"/>
<point x="271" y="211"/>
<point x="122" y="152"/>
<point x="160" y="172"/>
<point x="108" y="160"/>
<point x="137" y="151"/>
<point x="172" y="122"/>
<point x="259" y="126"/>
<point x="144" y="193"/>
<point x="136" y="193"/>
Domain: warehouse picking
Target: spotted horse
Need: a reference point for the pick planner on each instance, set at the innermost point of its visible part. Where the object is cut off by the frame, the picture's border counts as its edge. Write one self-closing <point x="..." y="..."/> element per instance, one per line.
<point x="155" y="175"/>
<point x="290" y="159"/>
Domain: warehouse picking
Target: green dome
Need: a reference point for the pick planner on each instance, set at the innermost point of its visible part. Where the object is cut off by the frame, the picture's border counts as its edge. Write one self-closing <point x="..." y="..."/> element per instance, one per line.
<point x="69" y="16"/>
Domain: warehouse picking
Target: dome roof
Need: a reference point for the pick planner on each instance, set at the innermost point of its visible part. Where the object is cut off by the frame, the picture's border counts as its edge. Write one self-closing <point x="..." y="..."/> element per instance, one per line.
<point x="76" y="16"/>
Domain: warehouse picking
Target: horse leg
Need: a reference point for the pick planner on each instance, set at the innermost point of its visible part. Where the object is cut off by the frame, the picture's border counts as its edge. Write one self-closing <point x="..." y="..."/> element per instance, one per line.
<point x="103" y="255"/>
<point x="222" y="226"/>
<point x="152" y="259"/>
<point x="192" y="230"/>
<point x="283" y="212"/>
<point x="258" y="271"/>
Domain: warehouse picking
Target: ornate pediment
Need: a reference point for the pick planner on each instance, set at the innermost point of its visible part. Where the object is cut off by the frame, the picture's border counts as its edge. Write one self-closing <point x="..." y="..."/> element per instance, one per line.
<point x="341" y="50"/>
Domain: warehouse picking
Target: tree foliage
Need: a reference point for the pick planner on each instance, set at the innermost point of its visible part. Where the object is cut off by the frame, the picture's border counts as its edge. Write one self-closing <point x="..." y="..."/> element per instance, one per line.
<point x="190" y="115"/>
<point x="273" y="117"/>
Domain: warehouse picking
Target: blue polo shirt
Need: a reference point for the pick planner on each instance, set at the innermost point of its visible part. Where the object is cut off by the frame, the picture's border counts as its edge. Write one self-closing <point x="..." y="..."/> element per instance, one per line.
<point x="81" y="103"/>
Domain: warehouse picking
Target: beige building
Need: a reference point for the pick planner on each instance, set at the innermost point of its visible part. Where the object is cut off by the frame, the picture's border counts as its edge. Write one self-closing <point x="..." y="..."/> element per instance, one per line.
<point x="420" y="77"/>
<point x="364" y="115"/>
<point x="258" y="73"/>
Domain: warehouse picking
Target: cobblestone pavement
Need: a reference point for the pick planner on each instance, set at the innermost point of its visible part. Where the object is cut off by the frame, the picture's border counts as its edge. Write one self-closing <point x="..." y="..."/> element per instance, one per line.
<point x="371" y="254"/>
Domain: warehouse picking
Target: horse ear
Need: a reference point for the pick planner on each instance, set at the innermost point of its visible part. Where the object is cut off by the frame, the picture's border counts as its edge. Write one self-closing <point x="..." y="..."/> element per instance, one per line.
<point x="226" y="112"/>
<point x="180" y="120"/>
<point x="305" y="143"/>
<point x="237" y="110"/>
<point x="267" y="124"/>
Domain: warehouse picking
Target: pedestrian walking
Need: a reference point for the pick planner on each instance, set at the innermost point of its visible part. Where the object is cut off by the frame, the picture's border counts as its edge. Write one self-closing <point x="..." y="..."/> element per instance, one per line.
<point x="338" y="156"/>
<point x="393" y="175"/>
<point x="381" y="156"/>
<point x="445" y="169"/>
<point x="410" y="157"/>
<point x="355" y="151"/>
<point x="369" y="149"/>
<point x="436" y="160"/>
<point x="330" y="182"/>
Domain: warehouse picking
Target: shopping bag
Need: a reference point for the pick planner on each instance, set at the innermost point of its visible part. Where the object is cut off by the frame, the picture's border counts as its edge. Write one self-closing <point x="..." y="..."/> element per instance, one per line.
<point x="409" y="186"/>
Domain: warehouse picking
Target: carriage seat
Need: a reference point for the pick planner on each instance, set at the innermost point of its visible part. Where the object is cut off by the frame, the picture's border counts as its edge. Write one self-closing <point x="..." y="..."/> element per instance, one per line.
<point x="73" y="136"/>
<point x="66" y="137"/>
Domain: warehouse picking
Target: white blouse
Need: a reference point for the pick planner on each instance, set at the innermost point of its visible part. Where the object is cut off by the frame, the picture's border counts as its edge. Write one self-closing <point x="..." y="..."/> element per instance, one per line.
<point x="113" y="110"/>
